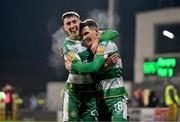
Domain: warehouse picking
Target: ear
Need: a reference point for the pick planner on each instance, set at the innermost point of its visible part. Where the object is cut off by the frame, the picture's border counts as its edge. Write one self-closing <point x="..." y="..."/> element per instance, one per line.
<point x="64" y="28"/>
<point x="97" y="31"/>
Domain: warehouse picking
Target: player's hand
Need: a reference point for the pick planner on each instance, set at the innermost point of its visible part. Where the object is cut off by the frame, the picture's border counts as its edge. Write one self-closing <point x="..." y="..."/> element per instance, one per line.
<point x="112" y="59"/>
<point x="94" y="46"/>
<point x="68" y="64"/>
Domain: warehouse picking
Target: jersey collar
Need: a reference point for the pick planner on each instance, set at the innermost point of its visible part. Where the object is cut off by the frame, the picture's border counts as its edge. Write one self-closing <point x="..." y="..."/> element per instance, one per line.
<point x="73" y="39"/>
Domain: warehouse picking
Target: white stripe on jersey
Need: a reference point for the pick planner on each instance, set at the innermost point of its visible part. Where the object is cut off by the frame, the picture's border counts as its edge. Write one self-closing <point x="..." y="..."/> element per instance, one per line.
<point x="77" y="48"/>
<point x="125" y="110"/>
<point x="65" y="117"/>
<point x="80" y="79"/>
<point x="111" y="47"/>
<point x="115" y="82"/>
<point x="111" y="83"/>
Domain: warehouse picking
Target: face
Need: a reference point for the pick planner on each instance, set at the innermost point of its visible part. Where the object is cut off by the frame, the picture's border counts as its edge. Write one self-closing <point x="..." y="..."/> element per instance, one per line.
<point x="89" y="36"/>
<point x="71" y="26"/>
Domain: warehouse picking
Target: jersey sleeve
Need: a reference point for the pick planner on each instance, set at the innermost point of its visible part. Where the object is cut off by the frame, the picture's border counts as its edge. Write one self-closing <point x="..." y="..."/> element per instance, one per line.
<point x="70" y="55"/>
<point x="100" y="56"/>
<point x="96" y="64"/>
<point x="91" y="67"/>
<point x="108" y="35"/>
<point x="102" y="49"/>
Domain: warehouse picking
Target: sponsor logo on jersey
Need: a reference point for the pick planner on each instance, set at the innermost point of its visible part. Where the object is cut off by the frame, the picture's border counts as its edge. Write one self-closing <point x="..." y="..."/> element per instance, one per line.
<point x="100" y="50"/>
<point x="70" y="56"/>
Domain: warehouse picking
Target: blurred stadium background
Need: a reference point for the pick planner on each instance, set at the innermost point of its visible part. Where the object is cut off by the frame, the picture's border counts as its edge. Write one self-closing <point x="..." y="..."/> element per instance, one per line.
<point x="149" y="43"/>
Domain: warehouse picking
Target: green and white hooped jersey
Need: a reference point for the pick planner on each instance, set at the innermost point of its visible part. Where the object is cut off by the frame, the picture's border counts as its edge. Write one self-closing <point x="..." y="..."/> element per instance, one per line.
<point x="74" y="51"/>
<point x="110" y="87"/>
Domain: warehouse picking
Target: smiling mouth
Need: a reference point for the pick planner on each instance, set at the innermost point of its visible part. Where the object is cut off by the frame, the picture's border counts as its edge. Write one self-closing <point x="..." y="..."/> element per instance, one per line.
<point x="73" y="29"/>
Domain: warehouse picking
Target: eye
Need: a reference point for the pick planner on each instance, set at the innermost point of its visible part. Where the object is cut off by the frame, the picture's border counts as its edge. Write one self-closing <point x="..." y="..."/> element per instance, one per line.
<point x="74" y="21"/>
<point x="68" y="23"/>
<point x="85" y="33"/>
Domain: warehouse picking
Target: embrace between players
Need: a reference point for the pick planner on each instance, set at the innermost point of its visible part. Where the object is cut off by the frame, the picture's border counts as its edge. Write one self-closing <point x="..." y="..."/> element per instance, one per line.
<point x="94" y="90"/>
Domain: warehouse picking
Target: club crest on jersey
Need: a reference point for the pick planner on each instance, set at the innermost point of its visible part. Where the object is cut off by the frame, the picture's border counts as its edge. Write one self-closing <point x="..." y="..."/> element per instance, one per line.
<point x="73" y="114"/>
<point x="70" y="56"/>
<point x="85" y="61"/>
<point x="103" y="43"/>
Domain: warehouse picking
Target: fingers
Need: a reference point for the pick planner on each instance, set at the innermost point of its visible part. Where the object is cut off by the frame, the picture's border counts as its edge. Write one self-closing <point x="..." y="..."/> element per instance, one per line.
<point x="114" y="58"/>
<point x="67" y="61"/>
<point x="108" y="61"/>
<point x="67" y="64"/>
<point x="115" y="54"/>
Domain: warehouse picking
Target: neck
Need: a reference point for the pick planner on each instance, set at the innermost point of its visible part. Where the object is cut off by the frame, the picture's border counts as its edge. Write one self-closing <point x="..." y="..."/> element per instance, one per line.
<point x="74" y="37"/>
<point x="99" y="34"/>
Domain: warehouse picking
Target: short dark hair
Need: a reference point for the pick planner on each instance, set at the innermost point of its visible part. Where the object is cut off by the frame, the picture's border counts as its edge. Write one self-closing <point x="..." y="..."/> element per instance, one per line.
<point x="90" y="23"/>
<point x="69" y="14"/>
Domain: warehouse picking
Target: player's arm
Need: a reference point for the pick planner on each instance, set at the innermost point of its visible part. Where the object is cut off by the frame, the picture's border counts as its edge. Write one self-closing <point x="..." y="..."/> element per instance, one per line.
<point x="113" y="59"/>
<point x="108" y="35"/>
<point x="98" y="60"/>
<point x="70" y="55"/>
<point x="115" y="73"/>
<point x="94" y="66"/>
<point x="91" y="67"/>
<point x="79" y="66"/>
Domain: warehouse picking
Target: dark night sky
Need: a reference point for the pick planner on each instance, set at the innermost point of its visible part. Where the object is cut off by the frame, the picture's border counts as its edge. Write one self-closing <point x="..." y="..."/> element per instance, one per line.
<point x="27" y="25"/>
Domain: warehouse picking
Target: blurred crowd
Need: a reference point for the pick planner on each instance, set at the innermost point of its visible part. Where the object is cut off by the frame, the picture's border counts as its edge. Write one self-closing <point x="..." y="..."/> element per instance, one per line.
<point x="146" y="98"/>
<point x="11" y="102"/>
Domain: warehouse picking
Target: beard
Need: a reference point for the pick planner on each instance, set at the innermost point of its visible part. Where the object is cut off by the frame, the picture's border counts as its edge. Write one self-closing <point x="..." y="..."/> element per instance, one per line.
<point x="86" y="45"/>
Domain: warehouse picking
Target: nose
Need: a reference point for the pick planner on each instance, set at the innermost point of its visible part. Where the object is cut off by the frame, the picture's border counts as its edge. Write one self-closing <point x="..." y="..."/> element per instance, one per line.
<point x="84" y="38"/>
<point x="71" y="26"/>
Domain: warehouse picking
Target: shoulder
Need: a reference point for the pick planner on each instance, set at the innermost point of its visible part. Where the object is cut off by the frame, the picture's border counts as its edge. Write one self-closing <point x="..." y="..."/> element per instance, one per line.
<point x="67" y="46"/>
<point x="67" y="42"/>
<point x="101" y="47"/>
<point x="107" y="44"/>
<point x="112" y="46"/>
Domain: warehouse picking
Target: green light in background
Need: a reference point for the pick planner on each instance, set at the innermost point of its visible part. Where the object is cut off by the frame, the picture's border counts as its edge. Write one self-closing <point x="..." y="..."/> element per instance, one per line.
<point x="163" y="67"/>
<point x="165" y="72"/>
<point x="170" y="72"/>
<point x="150" y="67"/>
<point x="166" y="62"/>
